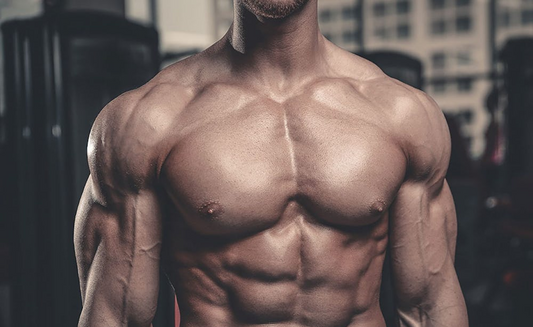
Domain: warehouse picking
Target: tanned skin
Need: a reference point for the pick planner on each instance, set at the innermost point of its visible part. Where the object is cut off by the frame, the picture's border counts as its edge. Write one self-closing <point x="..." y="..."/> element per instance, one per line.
<point x="267" y="176"/>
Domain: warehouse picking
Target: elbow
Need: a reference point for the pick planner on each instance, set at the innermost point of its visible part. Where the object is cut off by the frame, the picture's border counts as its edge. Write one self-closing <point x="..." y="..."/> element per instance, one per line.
<point x="413" y="309"/>
<point x="141" y="316"/>
<point x="90" y="318"/>
<point x="412" y="317"/>
<point x="433" y="308"/>
<point x="140" y="322"/>
<point x="419" y="317"/>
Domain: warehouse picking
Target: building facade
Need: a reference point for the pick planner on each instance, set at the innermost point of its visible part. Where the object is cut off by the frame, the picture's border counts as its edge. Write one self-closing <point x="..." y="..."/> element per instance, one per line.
<point x="450" y="38"/>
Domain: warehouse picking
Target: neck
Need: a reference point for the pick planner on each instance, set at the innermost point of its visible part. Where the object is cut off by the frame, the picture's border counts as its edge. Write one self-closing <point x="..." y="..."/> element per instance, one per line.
<point x="287" y="48"/>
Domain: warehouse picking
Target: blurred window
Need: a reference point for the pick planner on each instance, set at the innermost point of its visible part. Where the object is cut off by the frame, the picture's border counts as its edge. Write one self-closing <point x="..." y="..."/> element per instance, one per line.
<point x="504" y="18"/>
<point x="403" y="31"/>
<point x="403" y="6"/>
<point x="439" y="86"/>
<point x="381" y="33"/>
<point x="464" y="58"/>
<point x="349" y="36"/>
<point x="380" y="9"/>
<point x="438" y="60"/>
<point x="326" y="15"/>
<point x="461" y="3"/>
<point x="438" y="27"/>
<point x="438" y="4"/>
<point x="463" y="24"/>
<point x="464" y="84"/>
<point x="527" y="16"/>
<point x="349" y="13"/>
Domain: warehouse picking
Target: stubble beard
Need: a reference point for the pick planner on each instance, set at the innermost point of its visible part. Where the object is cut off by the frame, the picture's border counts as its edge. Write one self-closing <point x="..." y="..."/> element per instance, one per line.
<point x="274" y="9"/>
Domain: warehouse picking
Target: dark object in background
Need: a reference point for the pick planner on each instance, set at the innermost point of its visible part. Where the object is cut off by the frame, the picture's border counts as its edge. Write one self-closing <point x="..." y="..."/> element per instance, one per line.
<point x="518" y="77"/>
<point x="461" y="166"/>
<point x="111" y="6"/>
<point x="60" y="70"/>
<point x="464" y="182"/>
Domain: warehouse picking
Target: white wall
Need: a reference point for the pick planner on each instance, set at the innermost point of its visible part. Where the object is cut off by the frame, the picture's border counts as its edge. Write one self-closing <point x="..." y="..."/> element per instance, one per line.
<point x="185" y="24"/>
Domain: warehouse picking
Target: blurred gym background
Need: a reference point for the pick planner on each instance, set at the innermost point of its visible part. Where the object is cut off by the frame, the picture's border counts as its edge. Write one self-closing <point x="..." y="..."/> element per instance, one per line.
<point x="63" y="60"/>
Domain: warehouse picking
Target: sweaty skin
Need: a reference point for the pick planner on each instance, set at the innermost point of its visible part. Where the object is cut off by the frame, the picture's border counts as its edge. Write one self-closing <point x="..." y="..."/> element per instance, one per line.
<point x="268" y="176"/>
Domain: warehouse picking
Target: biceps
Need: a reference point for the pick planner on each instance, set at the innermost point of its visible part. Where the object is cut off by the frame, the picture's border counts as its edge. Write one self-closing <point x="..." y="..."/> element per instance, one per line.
<point x="118" y="258"/>
<point x="422" y="239"/>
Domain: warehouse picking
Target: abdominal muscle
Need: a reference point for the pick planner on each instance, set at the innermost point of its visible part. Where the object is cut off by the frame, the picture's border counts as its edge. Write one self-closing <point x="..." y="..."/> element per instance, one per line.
<point x="282" y="304"/>
<point x="297" y="273"/>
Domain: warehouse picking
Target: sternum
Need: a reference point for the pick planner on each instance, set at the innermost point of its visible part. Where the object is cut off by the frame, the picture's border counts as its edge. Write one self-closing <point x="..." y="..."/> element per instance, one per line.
<point x="290" y="144"/>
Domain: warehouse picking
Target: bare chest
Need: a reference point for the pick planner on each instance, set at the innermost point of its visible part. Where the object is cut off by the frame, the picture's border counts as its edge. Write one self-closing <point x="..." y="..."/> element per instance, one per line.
<point x="236" y="171"/>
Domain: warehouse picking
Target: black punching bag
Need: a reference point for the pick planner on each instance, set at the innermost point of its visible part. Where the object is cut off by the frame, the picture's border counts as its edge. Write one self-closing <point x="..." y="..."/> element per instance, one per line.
<point x="60" y="70"/>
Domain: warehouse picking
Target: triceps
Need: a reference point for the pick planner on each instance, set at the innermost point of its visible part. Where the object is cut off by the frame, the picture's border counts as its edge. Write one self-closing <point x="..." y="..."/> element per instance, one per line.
<point x="451" y="218"/>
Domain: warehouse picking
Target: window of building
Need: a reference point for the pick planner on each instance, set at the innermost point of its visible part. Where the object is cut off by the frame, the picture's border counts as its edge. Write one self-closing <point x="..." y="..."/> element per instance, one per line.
<point x="527" y="16"/>
<point x="403" y="6"/>
<point x="437" y="4"/>
<point x="326" y="15"/>
<point x="380" y="9"/>
<point x="438" y="60"/>
<point x="403" y="31"/>
<point x="438" y="27"/>
<point x="463" y="24"/>
<point x="439" y="86"/>
<point x="349" y="13"/>
<point x="504" y="18"/>
<point x="464" y="58"/>
<point x="461" y="3"/>
<point x="349" y="36"/>
<point x="381" y="33"/>
<point x="464" y="84"/>
<point x="468" y="114"/>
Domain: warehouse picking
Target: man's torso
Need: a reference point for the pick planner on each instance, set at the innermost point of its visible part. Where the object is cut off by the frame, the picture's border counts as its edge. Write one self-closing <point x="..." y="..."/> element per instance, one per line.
<point x="276" y="213"/>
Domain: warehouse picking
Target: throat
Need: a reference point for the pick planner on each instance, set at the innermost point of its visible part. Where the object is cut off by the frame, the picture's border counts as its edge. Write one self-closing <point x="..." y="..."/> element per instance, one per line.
<point x="286" y="47"/>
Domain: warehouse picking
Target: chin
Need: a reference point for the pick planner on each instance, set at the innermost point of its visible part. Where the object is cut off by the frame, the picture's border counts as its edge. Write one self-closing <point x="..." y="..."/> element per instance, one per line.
<point x="274" y="9"/>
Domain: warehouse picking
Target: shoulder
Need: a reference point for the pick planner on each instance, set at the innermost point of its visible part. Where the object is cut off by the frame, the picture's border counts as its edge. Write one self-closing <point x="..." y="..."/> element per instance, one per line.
<point x="412" y="117"/>
<point x="420" y="126"/>
<point x="128" y="136"/>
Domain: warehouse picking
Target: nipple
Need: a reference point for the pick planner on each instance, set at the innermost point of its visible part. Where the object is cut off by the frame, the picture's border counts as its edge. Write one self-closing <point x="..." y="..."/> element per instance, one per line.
<point x="378" y="207"/>
<point x="211" y="209"/>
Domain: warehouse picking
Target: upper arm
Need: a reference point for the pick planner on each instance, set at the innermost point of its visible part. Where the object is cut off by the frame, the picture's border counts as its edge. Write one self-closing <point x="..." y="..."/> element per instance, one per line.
<point x="423" y="226"/>
<point x="118" y="227"/>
